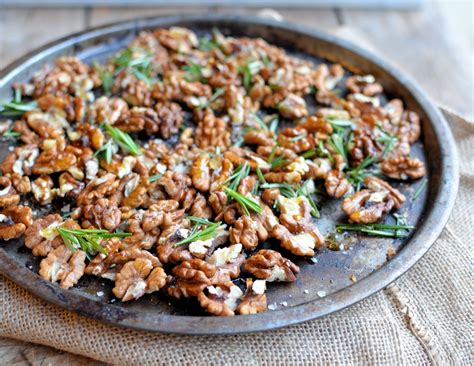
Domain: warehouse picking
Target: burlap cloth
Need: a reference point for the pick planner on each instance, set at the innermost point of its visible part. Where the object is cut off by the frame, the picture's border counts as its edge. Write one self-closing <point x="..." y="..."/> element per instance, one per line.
<point x="425" y="317"/>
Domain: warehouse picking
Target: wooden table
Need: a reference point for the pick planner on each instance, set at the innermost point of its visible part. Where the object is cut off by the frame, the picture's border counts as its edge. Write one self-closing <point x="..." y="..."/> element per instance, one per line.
<point x="434" y="46"/>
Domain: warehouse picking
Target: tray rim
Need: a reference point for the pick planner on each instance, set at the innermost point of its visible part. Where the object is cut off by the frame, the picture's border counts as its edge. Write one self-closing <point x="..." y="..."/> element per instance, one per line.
<point x="421" y="241"/>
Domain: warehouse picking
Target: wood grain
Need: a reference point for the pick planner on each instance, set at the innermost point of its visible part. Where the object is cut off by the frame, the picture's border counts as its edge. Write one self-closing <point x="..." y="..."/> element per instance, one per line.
<point x="435" y="47"/>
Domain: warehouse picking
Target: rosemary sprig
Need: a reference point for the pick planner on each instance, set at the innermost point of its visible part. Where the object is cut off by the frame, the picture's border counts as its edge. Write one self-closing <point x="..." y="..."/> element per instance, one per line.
<point x="274" y="124"/>
<point x="419" y="190"/>
<point x="287" y="190"/>
<point x="10" y="134"/>
<point x="107" y="151"/>
<point x="336" y="141"/>
<point x="193" y="71"/>
<point x="206" y="43"/>
<point x="298" y="137"/>
<point x="339" y="123"/>
<point x="385" y="230"/>
<point x="154" y="178"/>
<point x="206" y="233"/>
<point x="388" y="140"/>
<point x="123" y="139"/>
<point x="260" y="176"/>
<point x="87" y="240"/>
<point x="136" y="61"/>
<point x="309" y="153"/>
<point x="250" y="69"/>
<point x="260" y="121"/>
<point x="303" y="190"/>
<point x="213" y="98"/>
<point x="240" y="173"/>
<point x="357" y="175"/>
<point x="245" y="202"/>
<point x="200" y="220"/>
<point x="107" y="77"/>
<point x="276" y="161"/>
<point x="16" y="107"/>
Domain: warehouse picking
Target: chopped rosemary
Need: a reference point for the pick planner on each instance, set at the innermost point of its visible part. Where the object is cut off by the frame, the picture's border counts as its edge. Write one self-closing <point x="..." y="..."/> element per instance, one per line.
<point x="419" y="190"/>
<point x="388" y="140"/>
<point x="16" y="107"/>
<point x="336" y="141"/>
<point x="154" y="178"/>
<point x="286" y="189"/>
<point x="276" y="162"/>
<point x="260" y="176"/>
<point x="245" y="202"/>
<point x="274" y="124"/>
<point x="260" y="121"/>
<point x="107" y="77"/>
<point x="309" y="153"/>
<point x="87" y="240"/>
<point x="206" y="233"/>
<point x="385" y="230"/>
<point x="193" y="72"/>
<point x="250" y="69"/>
<point x="123" y="139"/>
<point x="107" y="151"/>
<point x="298" y="137"/>
<point x="206" y="43"/>
<point x="357" y="175"/>
<point x="217" y="94"/>
<point x="305" y="191"/>
<point x="337" y="122"/>
<point x="240" y="173"/>
<point x="137" y="61"/>
<point x="11" y="134"/>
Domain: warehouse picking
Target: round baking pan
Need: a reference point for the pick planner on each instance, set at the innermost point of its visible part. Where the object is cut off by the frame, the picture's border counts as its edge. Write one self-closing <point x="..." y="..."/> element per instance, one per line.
<point x="326" y="283"/>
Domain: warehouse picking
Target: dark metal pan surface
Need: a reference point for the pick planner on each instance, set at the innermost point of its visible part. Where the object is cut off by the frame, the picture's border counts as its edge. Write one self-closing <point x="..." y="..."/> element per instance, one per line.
<point x="325" y="284"/>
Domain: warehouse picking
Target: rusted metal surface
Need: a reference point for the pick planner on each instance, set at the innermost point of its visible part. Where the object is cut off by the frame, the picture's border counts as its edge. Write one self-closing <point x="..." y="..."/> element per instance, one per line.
<point x="324" y="284"/>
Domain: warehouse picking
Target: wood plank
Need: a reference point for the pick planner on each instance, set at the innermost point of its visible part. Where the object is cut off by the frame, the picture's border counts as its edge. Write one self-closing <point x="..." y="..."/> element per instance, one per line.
<point x="22" y="30"/>
<point x="427" y="46"/>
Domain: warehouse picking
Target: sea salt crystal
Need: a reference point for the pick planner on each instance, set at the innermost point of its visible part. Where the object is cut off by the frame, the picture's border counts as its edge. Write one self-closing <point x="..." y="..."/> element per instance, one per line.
<point x="321" y="293"/>
<point x="314" y="260"/>
<point x="100" y="293"/>
<point x="306" y="291"/>
<point x="284" y="303"/>
<point x="272" y="306"/>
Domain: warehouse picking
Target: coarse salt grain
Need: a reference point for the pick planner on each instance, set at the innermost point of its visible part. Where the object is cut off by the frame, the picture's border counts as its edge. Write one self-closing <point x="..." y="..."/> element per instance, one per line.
<point x="321" y="293"/>
<point x="306" y="291"/>
<point x="272" y="306"/>
<point x="100" y="293"/>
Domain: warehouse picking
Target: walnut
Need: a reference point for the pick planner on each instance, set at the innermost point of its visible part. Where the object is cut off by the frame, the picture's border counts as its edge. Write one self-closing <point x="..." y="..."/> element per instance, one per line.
<point x="336" y="183"/>
<point x="302" y="244"/>
<point x="175" y="185"/>
<point x="101" y="215"/>
<point x="14" y="220"/>
<point x="317" y="125"/>
<point x="178" y="39"/>
<point x="369" y="205"/>
<point x="20" y="161"/>
<point x="327" y="78"/>
<point x="43" y="190"/>
<point x="220" y="300"/>
<point x="68" y="186"/>
<point x="116" y="259"/>
<point x="192" y="277"/>
<point x="292" y="107"/>
<point x="170" y="117"/>
<point x="402" y="123"/>
<point x="63" y="266"/>
<point x="200" y="208"/>
<point x="283" y="177"/>
<point x="99" y="265"/>
<point x="21" y="184"/>
<point x="240" y="156"/>
<point x="296" y="139"/>
<point x="254" y="300"/>
<point x="269" y="265"/>
<point x="248" y="232"/>
<point x="41" y="237"/>
<point x="403" y="168"/>
<point x="364" y="84"/>
<point x="200" y="173"/>
<point x="259" y="137"/>
<point x="270" y="195"/>
<point x="319" y="168"/>
<point x="97" y="188"/>
<point x="212" y="132"/>
<point x="48" y="125"/>
<point x="105" y="110"/>
<point x="51" y="161"/>
<point x="90" y="135"/>
<point x="364" y="145"/>
<point x="134" y="190"/>
<point x="8" y="194"/>
<point x="73" y="107"/>
<point x="137" y="278"/>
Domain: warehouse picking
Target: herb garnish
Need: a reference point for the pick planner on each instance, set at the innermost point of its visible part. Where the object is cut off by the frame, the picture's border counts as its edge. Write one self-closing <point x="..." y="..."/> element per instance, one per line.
<point x="245" y="202"/>
<point x="336" y="141"/>
<point x="239" y="173"/>
<point x="107" y="77"/>
<point x="137" y="61"/>
<point x="278" y="161"/>
<point x="123" y="139"/>
<point x="193" y="72"/>
<point x="385" y="230"/>
<point x="10" y="134"/>
<point x="154" y="178"/>
<point x="87" y="240"/>
<point x="16" y="107"/>
<point x="357" y="175"/>
<point x="208" y="232"/>
<point x="250" y="69"/>
<point x="419" y="190"/>
<point x="107" y="151"/>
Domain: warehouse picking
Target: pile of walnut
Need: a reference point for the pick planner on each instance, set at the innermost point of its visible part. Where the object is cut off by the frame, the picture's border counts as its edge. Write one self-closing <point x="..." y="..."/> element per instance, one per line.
<point x="223" y="82"/>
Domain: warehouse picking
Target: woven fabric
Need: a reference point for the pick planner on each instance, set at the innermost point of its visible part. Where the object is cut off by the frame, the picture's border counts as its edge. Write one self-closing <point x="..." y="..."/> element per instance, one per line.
<point x="426" y="317"/>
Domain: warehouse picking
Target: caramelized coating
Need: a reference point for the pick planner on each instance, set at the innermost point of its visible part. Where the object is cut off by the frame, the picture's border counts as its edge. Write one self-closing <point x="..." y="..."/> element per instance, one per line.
<point x="403" y="168"/>
<point x="269" y="265"/>
<point x="254" y="300"/>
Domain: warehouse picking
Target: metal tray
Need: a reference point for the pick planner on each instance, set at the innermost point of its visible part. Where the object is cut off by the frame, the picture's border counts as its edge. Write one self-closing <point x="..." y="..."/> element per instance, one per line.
<point x="324" y="285"/>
